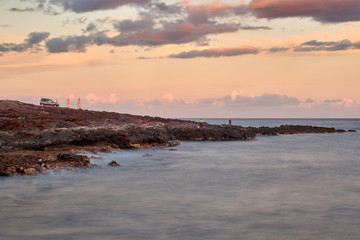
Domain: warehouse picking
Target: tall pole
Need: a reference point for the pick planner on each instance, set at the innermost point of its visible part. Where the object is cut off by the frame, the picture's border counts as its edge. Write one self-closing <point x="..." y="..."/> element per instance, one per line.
<point x="68" y="103"/>
<point x="79" y="104"/>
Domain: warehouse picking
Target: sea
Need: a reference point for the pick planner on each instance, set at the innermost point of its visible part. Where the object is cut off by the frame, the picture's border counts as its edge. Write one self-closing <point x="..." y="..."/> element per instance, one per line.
<point x="298" y="187"/>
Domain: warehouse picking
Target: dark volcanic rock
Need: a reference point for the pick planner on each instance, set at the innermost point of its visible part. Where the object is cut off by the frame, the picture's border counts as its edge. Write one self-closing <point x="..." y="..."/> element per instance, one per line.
<point x="65" y="156"/>
<point x="212" y="133"/>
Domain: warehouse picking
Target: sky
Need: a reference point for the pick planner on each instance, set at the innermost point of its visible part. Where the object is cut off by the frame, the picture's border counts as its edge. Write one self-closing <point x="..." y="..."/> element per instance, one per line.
<point x="187" y="58"/>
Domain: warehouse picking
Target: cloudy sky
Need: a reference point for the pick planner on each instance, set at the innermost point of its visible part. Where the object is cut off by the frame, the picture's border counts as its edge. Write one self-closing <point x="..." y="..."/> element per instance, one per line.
<point x="187" y="58"/>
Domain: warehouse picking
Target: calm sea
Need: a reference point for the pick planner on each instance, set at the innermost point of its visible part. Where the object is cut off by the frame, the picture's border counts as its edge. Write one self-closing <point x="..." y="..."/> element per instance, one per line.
<point x="298" y="187"/>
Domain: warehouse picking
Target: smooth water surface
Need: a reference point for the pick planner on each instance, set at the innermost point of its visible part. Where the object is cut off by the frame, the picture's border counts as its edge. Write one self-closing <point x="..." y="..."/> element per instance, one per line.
<point x="279" y="187"/>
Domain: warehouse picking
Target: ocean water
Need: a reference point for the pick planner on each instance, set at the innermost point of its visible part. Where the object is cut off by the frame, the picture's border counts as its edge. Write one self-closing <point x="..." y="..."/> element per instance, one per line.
<point x="284" y="187"/>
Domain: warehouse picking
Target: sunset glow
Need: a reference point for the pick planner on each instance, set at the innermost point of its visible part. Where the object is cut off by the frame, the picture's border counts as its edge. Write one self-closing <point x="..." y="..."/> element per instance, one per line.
<point x="258" y="58"/>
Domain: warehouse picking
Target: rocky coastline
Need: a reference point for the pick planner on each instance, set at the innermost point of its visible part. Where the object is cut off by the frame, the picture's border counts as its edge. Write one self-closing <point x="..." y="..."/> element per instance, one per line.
<point x="35" y="139"/>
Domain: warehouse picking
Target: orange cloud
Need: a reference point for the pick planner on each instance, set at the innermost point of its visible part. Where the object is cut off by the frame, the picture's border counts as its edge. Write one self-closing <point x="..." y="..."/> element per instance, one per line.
<point x="217" y="52"/>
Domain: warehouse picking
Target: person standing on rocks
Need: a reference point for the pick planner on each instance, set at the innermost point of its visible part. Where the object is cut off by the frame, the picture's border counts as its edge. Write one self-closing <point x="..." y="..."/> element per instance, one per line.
<point x="201" y="122"/>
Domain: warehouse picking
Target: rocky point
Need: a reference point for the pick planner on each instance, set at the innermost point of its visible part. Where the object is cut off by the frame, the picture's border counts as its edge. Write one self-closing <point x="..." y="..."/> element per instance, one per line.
<point x="35" y="139"/>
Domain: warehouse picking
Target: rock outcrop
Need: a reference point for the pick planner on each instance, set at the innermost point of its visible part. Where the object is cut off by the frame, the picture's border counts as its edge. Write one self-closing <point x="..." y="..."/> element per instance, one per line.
<point x="29" y="163"/>
<point x="114" y="164"/>
<point x="33" y="138"/>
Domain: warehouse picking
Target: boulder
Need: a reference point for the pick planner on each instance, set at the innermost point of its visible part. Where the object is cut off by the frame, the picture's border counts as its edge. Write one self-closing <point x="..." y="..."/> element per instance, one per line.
<point x="113" y="164"/>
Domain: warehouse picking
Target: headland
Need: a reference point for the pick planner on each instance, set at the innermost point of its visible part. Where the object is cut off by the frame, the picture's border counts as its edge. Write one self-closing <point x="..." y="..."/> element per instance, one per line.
<point x="36" y="139"/>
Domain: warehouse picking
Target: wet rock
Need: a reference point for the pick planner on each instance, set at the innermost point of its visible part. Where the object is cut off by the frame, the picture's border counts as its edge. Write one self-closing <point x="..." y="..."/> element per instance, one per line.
<point x="105" y="149"/>
<point x="135" y="146"/>
<point x="56" y="168"/>
<point x="65" y="156"/>
<point x="40" y="169"/>
<point x="173" y="143"/>
<point x="340" y="131"/>
<point x="30" y="171"/>
<point x="95" y="166"/>
<point x="113" y="164"/>
<point x="147" y="155"/>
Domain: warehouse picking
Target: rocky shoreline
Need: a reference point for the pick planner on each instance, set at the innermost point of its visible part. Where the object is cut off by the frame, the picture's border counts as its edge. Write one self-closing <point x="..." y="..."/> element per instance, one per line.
<point x="35" y="139"/>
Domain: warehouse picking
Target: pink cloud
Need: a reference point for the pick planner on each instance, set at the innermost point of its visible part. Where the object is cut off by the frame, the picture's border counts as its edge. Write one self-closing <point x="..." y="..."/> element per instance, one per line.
<point x="113" y="98"/>
<point x="93" y="99"/>
<point x="199" y="13"/>
<point x="320" y="10"/>
<point x="168" y="97"/>
<point x="343" y="103"/>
